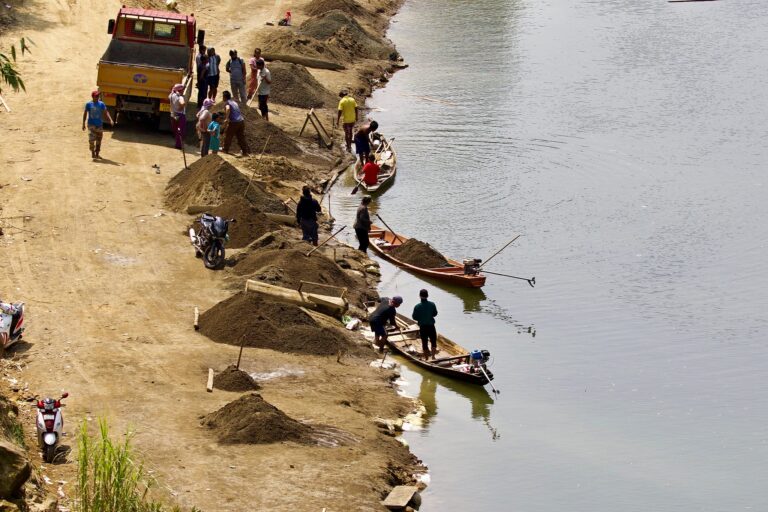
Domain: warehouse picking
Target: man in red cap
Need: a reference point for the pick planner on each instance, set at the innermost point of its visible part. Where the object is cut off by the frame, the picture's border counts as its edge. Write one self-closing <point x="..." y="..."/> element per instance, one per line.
<point x="385" y="312"/>
<point x="92" y="114"/>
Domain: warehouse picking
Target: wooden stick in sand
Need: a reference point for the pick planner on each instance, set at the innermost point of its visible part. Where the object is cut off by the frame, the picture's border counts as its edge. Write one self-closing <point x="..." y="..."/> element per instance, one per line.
<point x="197" y="318"/>
<point x="256" y="166"/>
<point x="326" y="240"/>
<point x="240" y="356"/>
<point x="209" y="385"/>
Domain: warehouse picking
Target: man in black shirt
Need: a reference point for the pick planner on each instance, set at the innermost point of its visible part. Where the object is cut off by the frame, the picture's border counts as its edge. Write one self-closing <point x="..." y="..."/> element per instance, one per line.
<point x="384" y="313"/>
<point x="306" y="215"/>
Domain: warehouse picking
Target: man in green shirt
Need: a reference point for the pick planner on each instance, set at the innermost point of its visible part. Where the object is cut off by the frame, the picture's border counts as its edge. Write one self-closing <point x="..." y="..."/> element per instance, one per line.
<point x="424" y="313"/>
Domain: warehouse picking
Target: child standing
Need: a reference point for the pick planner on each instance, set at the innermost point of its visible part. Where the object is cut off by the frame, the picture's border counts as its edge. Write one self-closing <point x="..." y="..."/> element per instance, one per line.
<point x="215" y="130"/>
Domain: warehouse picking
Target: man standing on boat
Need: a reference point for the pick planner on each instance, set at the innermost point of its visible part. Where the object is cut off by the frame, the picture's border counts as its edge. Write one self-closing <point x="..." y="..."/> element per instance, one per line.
<point x="385" y="312"/>
<point x="363" y="140"/>
<point x="424" y="313"/>
<point x="363" y="223"/>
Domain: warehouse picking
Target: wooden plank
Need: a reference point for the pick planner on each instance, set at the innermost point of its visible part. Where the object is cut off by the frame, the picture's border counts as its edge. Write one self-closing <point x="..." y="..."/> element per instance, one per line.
<point x="332" y="305"/>
<point x="197" y="318"/>
<point x="209" y="386"/>
<point x="399" y="497"/>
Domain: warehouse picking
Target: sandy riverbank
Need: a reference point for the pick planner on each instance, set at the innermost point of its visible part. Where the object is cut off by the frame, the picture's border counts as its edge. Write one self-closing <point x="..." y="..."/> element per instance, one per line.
<point x="111" y="281"/>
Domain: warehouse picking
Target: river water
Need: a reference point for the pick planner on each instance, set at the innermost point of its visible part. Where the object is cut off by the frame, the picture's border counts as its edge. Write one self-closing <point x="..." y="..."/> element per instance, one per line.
<point x="626" y="140"/>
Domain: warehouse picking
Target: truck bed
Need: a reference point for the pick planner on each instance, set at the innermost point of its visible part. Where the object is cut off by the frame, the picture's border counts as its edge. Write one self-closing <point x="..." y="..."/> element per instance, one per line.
<point x="146" y="55"/>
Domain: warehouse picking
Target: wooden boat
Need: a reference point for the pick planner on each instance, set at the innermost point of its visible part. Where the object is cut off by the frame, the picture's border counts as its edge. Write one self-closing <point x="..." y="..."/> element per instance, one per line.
<point x="384" y="241"/>
<point x="386" y="158"/>
<point x="452" y="360"/>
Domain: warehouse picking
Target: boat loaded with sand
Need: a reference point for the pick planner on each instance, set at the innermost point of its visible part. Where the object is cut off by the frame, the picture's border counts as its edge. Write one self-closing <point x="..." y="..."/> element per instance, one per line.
<point x="386" y="159"/>
<point x="420" y="258"/>
<point x="451" y="360"/>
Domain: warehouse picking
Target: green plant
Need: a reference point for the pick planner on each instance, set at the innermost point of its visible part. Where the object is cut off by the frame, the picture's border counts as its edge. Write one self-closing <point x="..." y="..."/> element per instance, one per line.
<point x="109" y="477"/>
<point x="8" y="71"/>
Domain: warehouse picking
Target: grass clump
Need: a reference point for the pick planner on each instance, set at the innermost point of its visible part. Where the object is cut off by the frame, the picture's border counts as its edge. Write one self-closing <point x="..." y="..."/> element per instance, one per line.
<point x="110" y="477"/>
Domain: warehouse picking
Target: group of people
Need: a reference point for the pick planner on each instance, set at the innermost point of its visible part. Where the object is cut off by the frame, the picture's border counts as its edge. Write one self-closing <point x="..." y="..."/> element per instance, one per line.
<point x="424" y="313"/>
<point x="232" y="123"/>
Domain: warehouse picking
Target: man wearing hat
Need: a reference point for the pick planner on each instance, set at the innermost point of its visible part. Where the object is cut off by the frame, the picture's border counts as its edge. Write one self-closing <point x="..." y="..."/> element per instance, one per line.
<point x="386" y="311"/>
<point x="204" y="118"/>
<point x="178" y="114"/>
<point x="424" y="313"/>
<point x="93" y="112"/>
<point x="348" y="114"/>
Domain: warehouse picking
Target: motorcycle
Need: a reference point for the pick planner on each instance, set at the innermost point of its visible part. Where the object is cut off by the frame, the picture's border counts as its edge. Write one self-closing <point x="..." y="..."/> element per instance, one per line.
<point x="50" y="423"/>
<point x="210" y="239"/>
<point x="11" y="325"/>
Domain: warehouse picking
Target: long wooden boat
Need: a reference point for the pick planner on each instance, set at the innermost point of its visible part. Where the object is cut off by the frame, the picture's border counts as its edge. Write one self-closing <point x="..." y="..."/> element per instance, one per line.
<point x="452" y="360"/>
<point x="386" y="158"/>
<point x="384" y="242"/>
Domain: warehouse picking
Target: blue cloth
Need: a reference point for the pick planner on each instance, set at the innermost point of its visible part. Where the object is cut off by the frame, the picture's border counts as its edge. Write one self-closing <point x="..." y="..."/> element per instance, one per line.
<point x="95" y="110"/>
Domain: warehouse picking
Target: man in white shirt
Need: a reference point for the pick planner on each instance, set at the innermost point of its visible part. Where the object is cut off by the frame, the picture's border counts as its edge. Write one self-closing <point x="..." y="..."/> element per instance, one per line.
<point x="263" y="90"/>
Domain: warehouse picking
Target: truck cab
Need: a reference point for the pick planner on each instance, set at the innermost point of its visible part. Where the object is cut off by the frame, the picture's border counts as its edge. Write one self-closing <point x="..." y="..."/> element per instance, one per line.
<point x="149" y="53"/>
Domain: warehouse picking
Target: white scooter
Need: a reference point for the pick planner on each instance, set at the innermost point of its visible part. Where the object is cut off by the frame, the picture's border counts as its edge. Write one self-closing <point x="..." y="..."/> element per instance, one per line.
<point x="49" y="425"/>
<point x="11" y="324"/>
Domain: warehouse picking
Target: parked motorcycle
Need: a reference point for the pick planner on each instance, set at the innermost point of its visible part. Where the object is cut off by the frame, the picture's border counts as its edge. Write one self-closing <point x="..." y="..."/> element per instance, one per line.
<point x="11" y="324"/>
<point x="210" y="239"/>
<point x="49" y="425"/>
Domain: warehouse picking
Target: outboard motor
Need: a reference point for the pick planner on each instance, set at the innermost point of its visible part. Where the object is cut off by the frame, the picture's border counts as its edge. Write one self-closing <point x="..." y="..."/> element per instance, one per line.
<point x="471" y="266"/>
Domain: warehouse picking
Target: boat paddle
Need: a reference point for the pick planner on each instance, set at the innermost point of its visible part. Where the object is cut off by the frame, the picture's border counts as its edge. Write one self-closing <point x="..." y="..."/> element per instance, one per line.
<point x="389" y="228"/>
<point x="381" y="364"/>
<point x="498" y="252"/>
<point x="495" y="391"/>
<point x="531" y="281"/>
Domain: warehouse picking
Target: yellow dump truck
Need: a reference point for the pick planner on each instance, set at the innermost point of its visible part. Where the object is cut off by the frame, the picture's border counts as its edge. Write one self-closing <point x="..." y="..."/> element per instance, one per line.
<point x="150" y="51"/>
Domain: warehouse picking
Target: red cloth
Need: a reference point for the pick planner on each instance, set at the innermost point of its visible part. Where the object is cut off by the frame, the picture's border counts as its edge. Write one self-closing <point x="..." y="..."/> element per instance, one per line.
<point x="371" y="173"/>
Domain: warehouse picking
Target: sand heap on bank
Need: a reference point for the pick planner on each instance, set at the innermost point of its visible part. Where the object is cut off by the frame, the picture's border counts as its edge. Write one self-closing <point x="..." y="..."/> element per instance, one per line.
<point x="257" y="131"/>
<point x="278" y="168"/>
<point x="213" y="181"/>
<point x="297" y="87"/>
<point x="250" y="222"/>
<point x="288" y="267"/>
<point x="252" y="420"/>
<point x="419" y="254"/>
<point x="232" y="379"/>
<point x="272" y="325"/>
<point x="333" y="36"/>
<point x="344" y="33"/>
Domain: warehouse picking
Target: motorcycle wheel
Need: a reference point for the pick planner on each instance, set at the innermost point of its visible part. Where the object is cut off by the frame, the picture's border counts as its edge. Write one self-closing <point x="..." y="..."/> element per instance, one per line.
<point x="214" y="255"/>
<point x="48" y="453"/>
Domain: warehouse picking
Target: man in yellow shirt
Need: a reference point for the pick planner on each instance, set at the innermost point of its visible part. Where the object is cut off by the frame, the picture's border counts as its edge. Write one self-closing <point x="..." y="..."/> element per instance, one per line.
<point x="347" y="111"/>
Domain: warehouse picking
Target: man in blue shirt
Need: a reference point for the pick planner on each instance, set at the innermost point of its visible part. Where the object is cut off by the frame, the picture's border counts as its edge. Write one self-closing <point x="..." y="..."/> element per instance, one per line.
<point x="93" y="112"/>
<point x="424" y="313"/>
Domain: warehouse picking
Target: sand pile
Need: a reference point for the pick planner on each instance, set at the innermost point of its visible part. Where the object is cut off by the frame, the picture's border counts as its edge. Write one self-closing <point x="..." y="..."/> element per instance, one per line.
<point x="257" y="130"/>
<point x="232" y="379"/>
<point x="271" y="325"/>
<point x="279" y="168"/>
<point x="343" y="32"/>
<point x="350" y="7"/>
<point x="419" y="254"/>
<point x="295" y="86"/>
<point x="252" y="420"/>
<point x="212" y="181"/>
<point x="250" y="223"/>
<point x="292" y="43"/>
